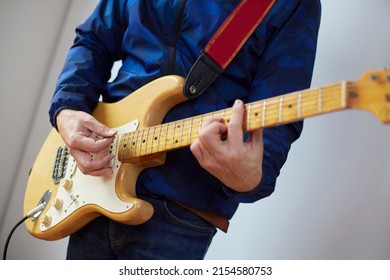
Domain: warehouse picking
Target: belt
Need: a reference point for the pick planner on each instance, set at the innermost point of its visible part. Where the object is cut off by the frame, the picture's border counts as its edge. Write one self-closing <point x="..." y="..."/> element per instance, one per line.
<point x="213" y="218"/>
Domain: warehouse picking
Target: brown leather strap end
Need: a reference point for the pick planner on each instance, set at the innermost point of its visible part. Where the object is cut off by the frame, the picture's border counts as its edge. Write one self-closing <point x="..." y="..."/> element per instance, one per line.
<point x="216" y="220"/>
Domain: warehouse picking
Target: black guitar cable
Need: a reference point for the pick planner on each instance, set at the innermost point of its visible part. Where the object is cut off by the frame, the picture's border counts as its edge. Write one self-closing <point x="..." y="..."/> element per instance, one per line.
<point x="37" y="209"/>
<point x="10" y="235"/>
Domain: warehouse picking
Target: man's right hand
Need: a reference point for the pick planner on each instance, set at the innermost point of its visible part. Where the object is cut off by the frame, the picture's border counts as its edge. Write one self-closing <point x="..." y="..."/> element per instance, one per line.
<point x="75" y="128"/>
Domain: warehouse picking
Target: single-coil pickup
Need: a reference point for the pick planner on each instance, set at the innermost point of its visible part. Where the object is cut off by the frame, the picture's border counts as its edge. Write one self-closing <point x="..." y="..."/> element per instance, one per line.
<point x="60" y="164"/>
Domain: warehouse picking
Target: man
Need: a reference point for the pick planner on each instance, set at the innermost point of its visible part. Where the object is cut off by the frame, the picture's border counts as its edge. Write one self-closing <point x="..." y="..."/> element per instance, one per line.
<point x="224" y="166"/>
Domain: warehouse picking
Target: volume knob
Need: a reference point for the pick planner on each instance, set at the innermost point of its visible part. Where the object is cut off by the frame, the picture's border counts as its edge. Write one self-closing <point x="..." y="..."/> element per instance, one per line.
<point x="46" y="220"/>
<point x="66" y="183"/>
<point x="57" y="203"/>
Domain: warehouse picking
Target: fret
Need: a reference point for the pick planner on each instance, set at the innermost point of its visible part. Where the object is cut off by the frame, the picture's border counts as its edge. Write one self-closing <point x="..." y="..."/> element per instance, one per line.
<point x="200" y="123"/>
<point x="147" y="141"/>
<point x="139" y="142"/>
<point x="343" y="94"/>
<point x="153" y="139"/>
<point x="299" y="105"/>
<point x="263" y="113"/>
<point x="181" y="132"/>
<point x="122" y="146"/>
<point x="166" y="135"/>
<point x="190" y="131"/>
<point x="142" y="142"/>
<point x="125" y="144"/>
<point x="248" y="116"/>
<point x="320" y="95"/>
<point x="171" y="127"/>
<point x="173" y="135"/>
<point x="256" y="115"/>
<point x="280" y="109"/>
<point x="128" y="146"/>
<point x="160" y="128"/>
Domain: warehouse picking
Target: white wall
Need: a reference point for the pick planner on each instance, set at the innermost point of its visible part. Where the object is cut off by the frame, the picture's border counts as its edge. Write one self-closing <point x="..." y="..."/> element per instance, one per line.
<point x="333" y="197"/>
<point x="41" y="33"/>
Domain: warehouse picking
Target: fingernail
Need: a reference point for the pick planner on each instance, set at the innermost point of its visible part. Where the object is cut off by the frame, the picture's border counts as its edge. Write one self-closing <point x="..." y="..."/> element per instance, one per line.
<point x="238" y="102"/>
<point x="112" y="131"/>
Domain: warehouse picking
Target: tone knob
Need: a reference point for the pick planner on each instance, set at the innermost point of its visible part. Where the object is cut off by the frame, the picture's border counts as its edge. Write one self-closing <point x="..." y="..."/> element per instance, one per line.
<point x="66" y="183"/>
<point x="46" y="220"/>
<point x="57" y="203"/>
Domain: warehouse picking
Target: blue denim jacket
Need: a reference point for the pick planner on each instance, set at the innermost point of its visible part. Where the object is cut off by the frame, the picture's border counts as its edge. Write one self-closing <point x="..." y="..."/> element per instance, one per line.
<point x="161" y="37"/>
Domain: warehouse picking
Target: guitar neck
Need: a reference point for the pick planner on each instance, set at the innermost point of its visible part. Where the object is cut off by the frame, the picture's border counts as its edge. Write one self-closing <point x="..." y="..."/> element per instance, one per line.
<point x="260" y="114"/>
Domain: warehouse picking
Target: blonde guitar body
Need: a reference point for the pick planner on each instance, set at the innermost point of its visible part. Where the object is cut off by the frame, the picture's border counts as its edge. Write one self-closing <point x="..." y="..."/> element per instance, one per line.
<point x="74" y="199"/>
<point x="83" y="198"/>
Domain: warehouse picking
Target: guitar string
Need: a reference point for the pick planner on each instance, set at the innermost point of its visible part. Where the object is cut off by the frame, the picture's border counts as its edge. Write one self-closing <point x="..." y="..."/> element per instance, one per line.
<point x="270" y="115"/>
<point x="270" y="102"/>
<point x="271" y="112"/>
<point x="328" y="99"/>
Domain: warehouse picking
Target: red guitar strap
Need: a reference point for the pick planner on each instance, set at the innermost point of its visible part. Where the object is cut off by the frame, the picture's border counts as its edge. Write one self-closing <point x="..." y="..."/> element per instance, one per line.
<point x="225" y="44"/>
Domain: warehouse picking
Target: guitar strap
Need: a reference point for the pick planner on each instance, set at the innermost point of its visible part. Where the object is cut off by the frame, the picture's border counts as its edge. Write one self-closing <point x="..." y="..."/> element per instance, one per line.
<point x="225" y="44"/>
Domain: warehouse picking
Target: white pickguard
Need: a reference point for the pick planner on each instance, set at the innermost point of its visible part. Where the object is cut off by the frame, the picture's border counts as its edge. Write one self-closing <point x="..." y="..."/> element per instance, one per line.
<point x="90" y="190"/>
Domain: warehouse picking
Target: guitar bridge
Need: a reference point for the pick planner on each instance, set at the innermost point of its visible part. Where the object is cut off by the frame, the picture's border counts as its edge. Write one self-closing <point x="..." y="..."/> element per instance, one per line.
<point x="60" y="164"/>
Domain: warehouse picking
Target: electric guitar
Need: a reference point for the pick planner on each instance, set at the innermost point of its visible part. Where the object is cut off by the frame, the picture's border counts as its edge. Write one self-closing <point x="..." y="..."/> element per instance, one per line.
<point x="72" y="199"/>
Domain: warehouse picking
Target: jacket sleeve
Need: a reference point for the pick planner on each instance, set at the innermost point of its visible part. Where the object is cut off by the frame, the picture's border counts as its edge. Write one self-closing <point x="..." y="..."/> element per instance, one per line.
<point x="88" y="64"/>
<point x="286" y="66"/>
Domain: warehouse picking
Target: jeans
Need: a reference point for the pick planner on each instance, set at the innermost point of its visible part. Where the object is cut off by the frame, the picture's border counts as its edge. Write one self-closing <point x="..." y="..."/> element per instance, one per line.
<point x="172" y="233"/>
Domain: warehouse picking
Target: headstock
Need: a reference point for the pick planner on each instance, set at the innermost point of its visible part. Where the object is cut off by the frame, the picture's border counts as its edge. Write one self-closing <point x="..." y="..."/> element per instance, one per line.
<point x="371" y="92"/>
